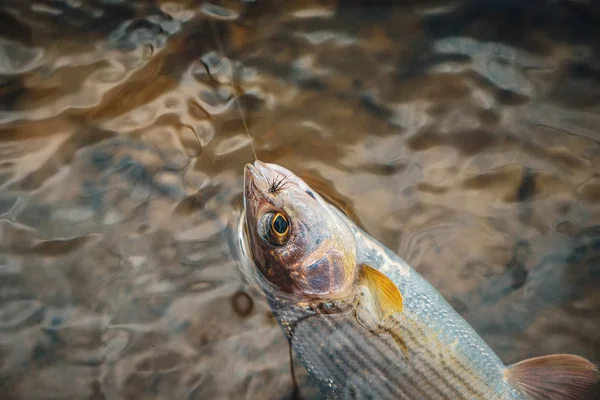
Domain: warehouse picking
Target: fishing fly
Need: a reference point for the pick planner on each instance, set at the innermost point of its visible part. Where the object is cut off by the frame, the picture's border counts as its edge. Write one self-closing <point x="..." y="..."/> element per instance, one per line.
<point x="276" y="185"/>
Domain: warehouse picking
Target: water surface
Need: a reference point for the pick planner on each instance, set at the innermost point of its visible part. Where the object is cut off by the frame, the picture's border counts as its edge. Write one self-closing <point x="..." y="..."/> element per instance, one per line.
<point x="463" y="135"/>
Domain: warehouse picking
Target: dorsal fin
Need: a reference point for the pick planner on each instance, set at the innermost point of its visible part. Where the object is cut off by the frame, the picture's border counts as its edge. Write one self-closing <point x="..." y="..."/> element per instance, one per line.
<point x="554" y="377"/>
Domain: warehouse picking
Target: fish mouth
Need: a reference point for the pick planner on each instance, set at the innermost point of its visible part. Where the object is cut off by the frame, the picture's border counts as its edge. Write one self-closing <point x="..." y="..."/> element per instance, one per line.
<point x="265" y="174"/>
<point x="259" y="171"/>
<point x="257" y="179"/>
<point x="255" y="183"/>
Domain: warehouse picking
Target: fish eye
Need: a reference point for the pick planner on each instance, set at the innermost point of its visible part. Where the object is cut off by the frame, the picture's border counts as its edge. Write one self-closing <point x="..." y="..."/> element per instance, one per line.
<point x="276" y="228"/>
<point x="279" y="224"/>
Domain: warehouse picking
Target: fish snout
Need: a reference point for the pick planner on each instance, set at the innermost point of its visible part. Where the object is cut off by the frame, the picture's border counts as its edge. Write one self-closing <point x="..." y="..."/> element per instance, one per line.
<point x="259" y="174"/>
<point x="257" y="178"/>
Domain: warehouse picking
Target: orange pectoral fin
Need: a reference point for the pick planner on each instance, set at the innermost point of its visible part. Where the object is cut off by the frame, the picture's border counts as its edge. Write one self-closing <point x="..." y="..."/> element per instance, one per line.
<point x="386" y="295"/>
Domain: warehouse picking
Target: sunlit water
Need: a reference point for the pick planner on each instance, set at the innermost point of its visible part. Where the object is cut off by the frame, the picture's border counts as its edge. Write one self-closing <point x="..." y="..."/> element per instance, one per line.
<point x="464" y="136"/>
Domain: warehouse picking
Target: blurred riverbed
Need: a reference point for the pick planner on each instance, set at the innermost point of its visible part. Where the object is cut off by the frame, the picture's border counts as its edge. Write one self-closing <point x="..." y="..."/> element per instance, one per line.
<point x="465" y="135"/>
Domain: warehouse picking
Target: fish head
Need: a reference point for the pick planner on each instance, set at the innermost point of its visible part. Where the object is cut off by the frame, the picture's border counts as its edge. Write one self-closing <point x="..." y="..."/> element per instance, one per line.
<point x="300" y="245"/>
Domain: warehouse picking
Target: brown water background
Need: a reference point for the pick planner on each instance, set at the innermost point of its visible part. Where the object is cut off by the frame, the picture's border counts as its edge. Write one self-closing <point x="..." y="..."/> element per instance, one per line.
<point x="465" y="135"/>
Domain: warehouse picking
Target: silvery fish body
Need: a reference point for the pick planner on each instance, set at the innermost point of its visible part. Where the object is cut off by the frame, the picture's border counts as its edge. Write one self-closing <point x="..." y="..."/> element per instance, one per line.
<point x="447" y="359"/>
<point x="363" y="322"/>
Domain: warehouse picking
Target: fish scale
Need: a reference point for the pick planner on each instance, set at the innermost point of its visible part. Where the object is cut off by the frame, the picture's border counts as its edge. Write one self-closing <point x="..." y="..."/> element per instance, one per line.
<point x="444" y="370"/>
<point x="380" y="331"/>
<point x="337" y="348"/>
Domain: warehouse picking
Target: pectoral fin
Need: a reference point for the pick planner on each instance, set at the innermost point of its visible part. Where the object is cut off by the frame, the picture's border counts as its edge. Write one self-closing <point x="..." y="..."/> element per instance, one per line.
<point x="386" y="296"/>
<point x="556" y="377"/>
<point x="382" y="301"/>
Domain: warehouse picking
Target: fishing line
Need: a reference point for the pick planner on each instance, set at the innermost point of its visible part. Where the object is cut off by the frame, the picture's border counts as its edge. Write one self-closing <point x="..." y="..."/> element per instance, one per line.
<point x="296" y="391"/>
<point x="236" y="97"/>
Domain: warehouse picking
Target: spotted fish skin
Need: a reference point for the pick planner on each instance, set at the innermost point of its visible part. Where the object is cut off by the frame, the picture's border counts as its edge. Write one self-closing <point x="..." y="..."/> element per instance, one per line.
<point x="447" y="359"/>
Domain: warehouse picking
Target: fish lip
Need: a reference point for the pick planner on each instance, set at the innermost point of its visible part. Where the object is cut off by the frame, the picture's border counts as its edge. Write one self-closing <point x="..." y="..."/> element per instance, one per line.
<point x="259" y="169"/>
<point x="258" y="175"/>
<point x="255" y="184"/>
<point x="249" y="174"/>
<point x="250" y="189"/>
<point x="253" y="172"/>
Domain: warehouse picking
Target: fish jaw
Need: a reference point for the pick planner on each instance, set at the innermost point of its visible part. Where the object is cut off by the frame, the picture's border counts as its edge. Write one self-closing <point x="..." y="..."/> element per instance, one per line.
<point x="255" y="183"/>
<point x="259" y="175"/>
<point x="263" y="183"/>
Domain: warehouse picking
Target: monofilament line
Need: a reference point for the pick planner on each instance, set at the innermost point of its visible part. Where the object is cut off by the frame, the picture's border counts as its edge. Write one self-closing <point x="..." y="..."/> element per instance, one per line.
<point x="236" y="98"/>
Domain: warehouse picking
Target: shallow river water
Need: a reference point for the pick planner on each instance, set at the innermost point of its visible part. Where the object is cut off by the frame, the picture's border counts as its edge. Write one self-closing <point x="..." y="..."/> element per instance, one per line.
<point x="464" y="135"/>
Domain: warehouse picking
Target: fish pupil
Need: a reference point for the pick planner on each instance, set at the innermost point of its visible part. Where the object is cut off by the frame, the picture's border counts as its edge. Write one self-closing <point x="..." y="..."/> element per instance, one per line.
<point x="280" y="225"/>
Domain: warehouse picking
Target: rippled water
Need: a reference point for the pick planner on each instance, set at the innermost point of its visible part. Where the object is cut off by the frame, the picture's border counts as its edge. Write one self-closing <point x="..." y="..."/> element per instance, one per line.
<point x="463" y="135"/>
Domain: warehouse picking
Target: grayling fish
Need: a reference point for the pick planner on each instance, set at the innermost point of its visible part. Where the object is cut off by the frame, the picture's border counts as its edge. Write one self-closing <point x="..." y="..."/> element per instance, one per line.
<point x="362" y="321"/>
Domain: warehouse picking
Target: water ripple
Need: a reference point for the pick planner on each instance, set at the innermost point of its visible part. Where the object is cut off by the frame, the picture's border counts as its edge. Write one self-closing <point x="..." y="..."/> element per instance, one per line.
<point x="462" y="136"/>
